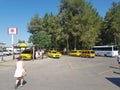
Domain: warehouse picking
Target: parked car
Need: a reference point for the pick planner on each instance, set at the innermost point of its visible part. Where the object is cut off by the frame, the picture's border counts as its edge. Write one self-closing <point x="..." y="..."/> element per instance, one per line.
<point x="75" y="53"/>
<point x="17" y="51"/>
<point x="10" y="51"/>
<point x="1" y="52"/>
<point x="88" y="53"/>
<point x="6" y="52"/>
<point x="54" y="54"/>
<point x="27" y="54"/>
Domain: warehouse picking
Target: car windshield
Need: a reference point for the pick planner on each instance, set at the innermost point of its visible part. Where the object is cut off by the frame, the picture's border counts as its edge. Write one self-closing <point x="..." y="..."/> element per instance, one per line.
<point x="0" y="50"/>
<point x="92" y="52"/>
<point x="73" y="51"/>
<point x="26" y="51"/>
<point x="5" y="51"/>
<point x="54" y="52"/>
<point x="80" y="51"/>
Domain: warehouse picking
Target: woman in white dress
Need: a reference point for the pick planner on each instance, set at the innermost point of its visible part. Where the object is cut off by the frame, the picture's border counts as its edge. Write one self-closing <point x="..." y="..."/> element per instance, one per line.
<point x="37" y="55"/>
<point x="20" y="68"/>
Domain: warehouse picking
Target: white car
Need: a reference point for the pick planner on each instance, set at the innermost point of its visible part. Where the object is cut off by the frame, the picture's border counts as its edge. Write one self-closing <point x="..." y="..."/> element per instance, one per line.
<point x="17" y="51"/>
<point x="1" y="52"/>
<point x="6" y="52"/>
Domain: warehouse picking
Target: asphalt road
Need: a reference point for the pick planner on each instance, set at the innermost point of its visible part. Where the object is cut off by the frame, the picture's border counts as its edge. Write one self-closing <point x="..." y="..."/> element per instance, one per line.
<point x="66" y="73"/>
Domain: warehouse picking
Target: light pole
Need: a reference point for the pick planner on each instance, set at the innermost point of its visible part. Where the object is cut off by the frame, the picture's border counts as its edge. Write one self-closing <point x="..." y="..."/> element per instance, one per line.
<point x="2" y="47"/>
<point x="12" y="47"/>
<point x="2" y="55"/>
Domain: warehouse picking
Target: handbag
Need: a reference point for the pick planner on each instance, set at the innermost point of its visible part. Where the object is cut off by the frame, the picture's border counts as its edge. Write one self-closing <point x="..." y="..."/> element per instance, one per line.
<point x="24" y="73"/>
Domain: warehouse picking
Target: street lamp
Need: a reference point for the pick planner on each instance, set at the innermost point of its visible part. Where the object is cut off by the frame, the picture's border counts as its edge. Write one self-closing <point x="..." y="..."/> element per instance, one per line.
<point x="2" y="46"/>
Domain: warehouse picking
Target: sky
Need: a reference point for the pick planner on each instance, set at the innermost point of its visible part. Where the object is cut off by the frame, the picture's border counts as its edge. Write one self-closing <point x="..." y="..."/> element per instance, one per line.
<point x="18" y="13"/>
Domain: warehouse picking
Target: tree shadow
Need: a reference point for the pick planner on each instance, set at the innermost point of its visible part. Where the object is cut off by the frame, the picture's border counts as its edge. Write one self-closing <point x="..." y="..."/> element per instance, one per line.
<point x="115" y="67"/>
<point x="115" y="81"/>
<point x="116" y="72"/>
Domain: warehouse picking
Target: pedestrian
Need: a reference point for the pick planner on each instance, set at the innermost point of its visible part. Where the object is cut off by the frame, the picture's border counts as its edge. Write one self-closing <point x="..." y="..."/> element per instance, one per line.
<point x="40" y="54"/>
<point x="64" y="51"/>
<point x="118" y="60"/>
<point x="20" y="68"/>
<point x="36" y="55"/>
<point x="43" y="52"/>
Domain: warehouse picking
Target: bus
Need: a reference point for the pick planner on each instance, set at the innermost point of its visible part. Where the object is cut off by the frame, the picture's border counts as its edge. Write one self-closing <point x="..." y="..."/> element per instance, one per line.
<point x="110" y="51"/>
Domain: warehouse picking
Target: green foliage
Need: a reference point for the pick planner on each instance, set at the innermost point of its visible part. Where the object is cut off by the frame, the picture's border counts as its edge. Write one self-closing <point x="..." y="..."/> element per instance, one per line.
<point x="42" y="39"/>
<point x="111" y="29"/>
<point x="77" y="26"/>
<point x="35" y="24"/>
<point x="78" y="20"/>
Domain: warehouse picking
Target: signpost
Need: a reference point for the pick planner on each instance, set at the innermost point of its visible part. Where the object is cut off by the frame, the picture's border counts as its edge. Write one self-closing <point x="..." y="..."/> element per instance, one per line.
<point x="12" y="31"/>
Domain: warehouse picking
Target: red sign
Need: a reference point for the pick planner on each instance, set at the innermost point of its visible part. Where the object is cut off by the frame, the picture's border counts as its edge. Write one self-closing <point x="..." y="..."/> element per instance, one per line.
<point x="12" y="31"/>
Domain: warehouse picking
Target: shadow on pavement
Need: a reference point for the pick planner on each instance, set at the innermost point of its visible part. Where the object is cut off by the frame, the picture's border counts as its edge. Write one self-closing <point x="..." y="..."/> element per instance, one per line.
<point x="115" y="67"/>
<point x="24" y="82"/>
<point x="115" y="81"/>
<point x="116" y="72"/>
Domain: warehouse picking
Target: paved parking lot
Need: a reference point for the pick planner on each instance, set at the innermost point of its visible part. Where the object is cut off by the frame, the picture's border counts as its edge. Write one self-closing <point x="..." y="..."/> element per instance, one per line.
<point x="66" y="73"/>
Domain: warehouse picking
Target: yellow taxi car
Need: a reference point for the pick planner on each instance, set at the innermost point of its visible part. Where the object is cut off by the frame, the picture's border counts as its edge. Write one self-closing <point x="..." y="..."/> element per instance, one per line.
<point x="88" y="53"/>
<point x="27" y="54"/>
<point x="54" y="54"/>
<point x="75" y="53"/>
